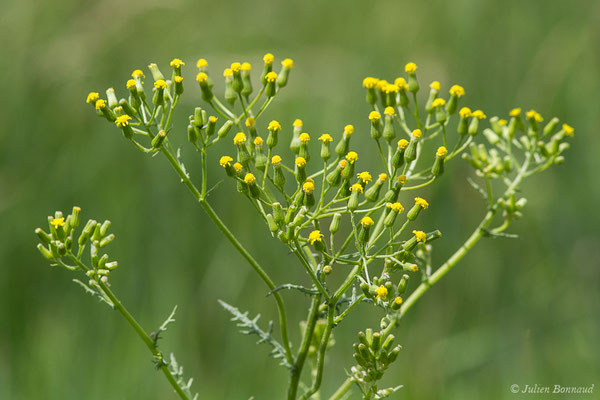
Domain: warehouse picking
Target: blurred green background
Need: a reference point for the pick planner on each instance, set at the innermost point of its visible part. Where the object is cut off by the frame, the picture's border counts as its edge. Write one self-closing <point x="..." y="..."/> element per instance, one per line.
<point x="520" y="311"/>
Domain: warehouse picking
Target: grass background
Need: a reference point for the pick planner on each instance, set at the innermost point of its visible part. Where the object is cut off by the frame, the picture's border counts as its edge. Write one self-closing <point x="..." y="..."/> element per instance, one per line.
<point x="522" y="311"/>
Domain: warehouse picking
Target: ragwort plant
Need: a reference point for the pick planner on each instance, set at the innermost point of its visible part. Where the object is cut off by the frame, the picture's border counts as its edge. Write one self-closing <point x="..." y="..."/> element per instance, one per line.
<point x="321" y="204"/>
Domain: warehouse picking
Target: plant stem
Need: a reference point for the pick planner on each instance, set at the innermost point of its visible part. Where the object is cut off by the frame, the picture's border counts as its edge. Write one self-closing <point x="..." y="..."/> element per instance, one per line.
<point x="344" y="387"/>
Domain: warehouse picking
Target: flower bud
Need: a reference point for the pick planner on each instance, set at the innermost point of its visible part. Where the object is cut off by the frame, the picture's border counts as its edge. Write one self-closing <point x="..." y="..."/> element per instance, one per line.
<point x="348" y="171"/>
<point x="46" y="253"/>
<point x="230" y="94"/>
<point x="389" y="130"/>
<point x="456" y="92"/>
<point x="376" y="128"/>
<point x="410" y="153"/>
<point x="373" y="192"/>
<point x="402" y="284"/>
<point x="105" y="110"/>
<point x="335" y="176"/>
<point x="355" y="190"/>
<point x="236" y="84"/>
<point x="343" y="145"/>
<point x="268" y="60"/>
<point x="178" y="85"/>
<point x="272" y="224"/>
<point x="159" y="92"/>
<point x="295" y="142"/>
<point x="286" y="67"/>
<point x="304" y="139"/>
<point x="205" y="86"/>
<point x="246" y="81"/>
<point x="122" y="122"/>
<point x="434" y="89"/>
<point x="271" y="88"/>
<point x="370" y="84"/>
<point x="413" y="84"/>
<point x="300" y="169"/>
<point x="112" y="98"/>
<point x="438" y="164"/>
<point x="398" y="157"/>
<point x="394" y="210"/>
<point x="440" y="111"/>
<point x="334" y="227"/>
<point x="325" y="140"/>
<point x="474" y="125"/>
<point x="420" y="204"/>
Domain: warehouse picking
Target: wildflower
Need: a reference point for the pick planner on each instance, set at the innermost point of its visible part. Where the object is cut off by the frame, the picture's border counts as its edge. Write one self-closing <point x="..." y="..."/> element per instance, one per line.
<point x="515" y="112"/>
<point x="414" y="268"/>
<point x="122" y="121"/>
<point x="420" y="235"/>
<point x="401" y="83"/>
<point x="352" y="157"/>
<point x="374" y="116"/>
<point x="300" y="162"/>
<point x="410" y="68"/>
<point x="56" y="222"/>
<point x="534" y="115"/>
<point x="138" y="74"/>
<point x="304" y="138"/>
<point x="297" y="123"/>
<point x="417" y="133"/>
<point x="502" y="122"/>
<point x="369" y="82"/>
<point x="130" y="84"/>
<point x="308" y="187"/>
<point x="383" y="177"/>
<point x="225" y="161"/>
<point x="435" y="85"/>
<point x="402" y="143"/>
<point x="438" y="103"/>
<point x="325" y="138"/>
<point x="357" y="187"/>
<point x="457" y="90"/>
<point x="249" y="178"/>
<point x="250" y="121"/>
<point x="315" y="236"/>
<point x="465" y="112"/>
<point x="201" y="77"/>
<point x="177" y="63"/>
<point x="236" y="67"/>
<point x="92" y="97"/>
<point x="201" y="63"/>
<point x="438" y="165"/>
<point x="160" y="84"/>
<point x="287" y="63"/>
<point x="271" y="76"/>
<point x="395" y="209"/>
<point x="327" y="269"/>
<point x="389" y="111"/>
<point x="274" y="126"/>
<point x="348" y="130"/>
<point x="238" y="167"/>
<point x="275" y="160"/>
<point x="569" y="131"/>
<point x="268" y="58"/>
<point x="382" y="292"/>
<point x="441" y="151"/>
<point x="365" y="177"/>
<point x="402" y="179"/>
<point x="478" y="114"/>
<point x="239" y="139"/>
<point x="366" y="221"/>
<point x="258" y="141"/>
<point x="421" y="202"/>
<point x="100" y="104"/>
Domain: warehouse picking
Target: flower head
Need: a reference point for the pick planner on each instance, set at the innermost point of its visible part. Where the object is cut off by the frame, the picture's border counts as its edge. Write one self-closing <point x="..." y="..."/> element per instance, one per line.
<point x="351" y="157"/>
<point x="515" y="112"/>
<point x="402" y="179"/>
<point x="238" y="167"/>
<point x="287" y="63"/>
<point x="366" y="221"/>
<point x="348" y="130"/>
<point x="478" y="114"/>
<point x="304" y="137"/>
<point x="365" y="177"/>
<point x="417" y="133"/>
<point x="401" y="83"/>
<point x="130" y="84"/>
<point x="92" y="97"/>
<point x="239" y="139"/>
<point x="100" y="104"/>
<point x="342" y="164"/>
<point x="315" y="236"/>
<point x="369" y="82"/>
<point x="438" y="103"/>
<point x="177" y="63"/>
<point x="274" y="126"/>
<point x="249" y="178"/>
<point x="246" y="66"/>
<point x="441" y="151"/>
<point x="275" y="160"/>
<point x="382" y="292"/>
<point x="502" y="122"/>
<point x="421" y="202"/>
<point x="225" y="161"/>
<point x="56" y="222"/>
<point x="325" y="138"/>
<point x="414" y="268"/>
<point x="396" y="207"/>
<point x="227" y="73"/>
<point x="410" y="68"/>
<point x="138" y="74"/>
<point x="391" y="88"/>
<point x="308" y="187"/>
<point x="122" y="120"/>
<point x="435" y="85"/>
<point x="160" y="84"/>
<point x="420" y="235"/>
<point x="398" y="300"/>
<point x="383" y="177"/>
<point x="532" y="114"/>
<point x="457" y="90"/>
<point x="374" y="116"/>
<point x="250" y="121"/>
<point x="268" y="58"/>
<point x="271" y="77"/>
<point x="201" y="63"/>
<point x="297" y="123"/>
<point x="201" y="77"/>
<point x="236" y="67"/>
<point x="178" y="79"/>
<point x="402" y="144"/>
<point x="569" y="131"/>
<point x="465" y="112"/>
<point x="389" y="111"/>
<point x="258" y="141"/>
<point x="357" y="187"/>
<point x="300" y="162"/>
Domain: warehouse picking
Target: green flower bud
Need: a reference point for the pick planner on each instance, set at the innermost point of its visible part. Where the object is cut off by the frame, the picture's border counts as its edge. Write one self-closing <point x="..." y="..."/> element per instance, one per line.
<point x="410" y="153"/>
<point x="192" y="134"/>
<point x="355" y="190"/>
<point x="246" y="81"/>
<point x="271" y="87"/>
<point x="230" y="94"/>
<point x="236" y="85"/>
<point x="278" y="176"/>
<point x="420" y="204"/>
<point x="105" y="241"/>
<point x="46" y="253"/>
<point x="268" y="60"/>
<point x="129" y="110"/>
<point x="334" y="227"/>
<point x="389" y="130"/>
<point x="373" y="192"/>
<point x="112" y="98"/>
<point x="287" y="66"/>
<point x="402" y="284"/>
<point x="393" y="210"/>
<point x="156" y="74"/>
<point x="272" y="224"/>
<point x="365" y="227"/>
<point x="334" y="177"/>
<point x="438" y="165"/>
<point x="224" y="130"/>
<point x="433" y="93"/>
<point x="413" y="84"/>
<point x="205" y="86"/>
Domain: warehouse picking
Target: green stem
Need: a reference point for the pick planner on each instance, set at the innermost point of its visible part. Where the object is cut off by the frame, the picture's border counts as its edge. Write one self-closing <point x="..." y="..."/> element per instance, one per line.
<point x="344" y="387"/>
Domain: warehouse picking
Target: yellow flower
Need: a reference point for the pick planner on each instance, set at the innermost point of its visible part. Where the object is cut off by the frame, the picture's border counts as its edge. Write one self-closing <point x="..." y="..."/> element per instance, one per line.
<point x="228" y="73"/>
<point x="391" y="88"/>
<point x="401" y="83"/>
<point x="402" y="144"/>
<point x="258" y="141"/>
<point x="366" y="221"/>
<point x="238" y="167"/>
<point x="381" y="84"/>
<point x="389" y="111"/>
<point x="370" y="83"/>
<point x="246" y="66"/>
<point x="138" y="74"/>
<point x="420" y="235"/>
<point x="502" y="122"/>
<point x="271" y="77"/>
<point x="308" y="187"/>
<point x="250" y="121"/>
<point x="122" y="120"/>
<point x="478" y="114"/>
<point x="348" y="130"/>
<point x="274" y="126"/>
<point x="532" y="114"/>
<point x="177" y="63"/>
<point x="397" y="207"/>
<point x="410" y="68"/>
<point x="465" y="112"/>
<point x="268" y="58"/>
<point x="201" y="63"/>
<point x="304" y="137"/>
<point x="130" y="84"/>
<point x="342" y="164"/>
<point x="441" y="151"/>
<point x="326" y="138"/>
<point x="435" y="85"/>
<point x="236" y="67"/>
<point x="239" y="139"/>
<point x="402" y="179"/>
<point x="569" y="131"/>
<point x="457" y="90"/>
<point x="212" y="119"/>
<point x="398" y="300"/>
<point x="414" y="268"/>
<point x="300" y="162"/>
<point x="438" y="103"/>
<point x="417" y="133"/>
<point x="297" y="123"/>
<point x="421" y="202"/>
<point x="382" y="292"/>
<point x="357" y="187"/>
<point x="315" y="236"/>
<point x="160" y="84"/>
<point x="56" y="222"/>
<point x="275" y="160"/>
<point x="225" y="161"/>
<point x="287" y="63"/>
<point x="327" y="269"/>
<point x="178" y="79"/>
<point x="249" y="178"/>
<point x="100" y="104"/>
<point x="92" y="97"/>
<point x="515" y="112"/>
<point x="374" y="116"/>
<point x="352" y="157"/>
<point x="383" y="177"/>
<point x="201" y="77"/>
<point x="365" y="177"/>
